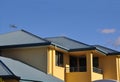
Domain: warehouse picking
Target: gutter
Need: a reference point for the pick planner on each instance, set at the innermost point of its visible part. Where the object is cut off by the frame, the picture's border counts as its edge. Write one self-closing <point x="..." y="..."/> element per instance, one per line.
<point x="10" y="77"/>
<point x="81" y="49"/>
<point x="24" y="45"/>
<point x="30" y="80"/>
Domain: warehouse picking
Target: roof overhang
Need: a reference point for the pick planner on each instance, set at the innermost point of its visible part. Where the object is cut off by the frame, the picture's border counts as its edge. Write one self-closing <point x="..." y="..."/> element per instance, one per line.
<point x="24" y="45"/>
<point x="82" y="49"/>
<point x="108" y="54"/>
<point x="10" y="77"/>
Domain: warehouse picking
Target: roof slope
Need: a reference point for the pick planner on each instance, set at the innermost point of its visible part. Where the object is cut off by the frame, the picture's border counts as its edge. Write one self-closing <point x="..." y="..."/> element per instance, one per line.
<point x="26" y="72"/>
<point x="69" y="44"/>
<point x="106" y="51"/>
<point x="23" y="38"/>
<point x="4" y="71"/>
<point x="20" y="38"/>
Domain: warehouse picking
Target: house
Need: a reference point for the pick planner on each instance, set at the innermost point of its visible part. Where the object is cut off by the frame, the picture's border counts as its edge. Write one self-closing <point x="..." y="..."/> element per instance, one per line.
<point x="61" y="57"/>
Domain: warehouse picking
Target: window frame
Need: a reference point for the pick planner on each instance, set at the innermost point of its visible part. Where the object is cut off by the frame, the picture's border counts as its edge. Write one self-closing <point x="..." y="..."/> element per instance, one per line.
<point x="59" y="59"/>
<point x="96" y="62"/>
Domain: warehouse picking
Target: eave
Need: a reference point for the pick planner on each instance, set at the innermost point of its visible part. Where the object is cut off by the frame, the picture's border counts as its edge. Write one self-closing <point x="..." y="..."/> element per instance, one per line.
<point x="24" y="45"/>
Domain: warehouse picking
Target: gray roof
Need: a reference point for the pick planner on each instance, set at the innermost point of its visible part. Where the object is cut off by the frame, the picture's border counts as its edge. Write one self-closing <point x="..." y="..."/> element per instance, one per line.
<point x="73" y="45"/>
<point x="4" y="71"/>
<point x="69" y="44"/>
<point x="106" y="51"/>
<point x="20" y="38"/>
<point x="23" y="38"/>
<point x="26" y="72"/>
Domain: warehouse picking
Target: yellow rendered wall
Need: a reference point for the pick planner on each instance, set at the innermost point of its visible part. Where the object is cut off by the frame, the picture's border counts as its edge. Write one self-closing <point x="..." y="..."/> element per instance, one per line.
<point x="118" y="68"/>
<point x="54" y="70"/>
<point x="96" y="76"/>
<point x="59" y="72"/>
<point x="77" y="77"/>
<point x="1" y="80"/>
<point x="8" y="80"/>
<point x="49" y="61"/>
<point x="66" y="60"/>
<point x="36" y="57"/>
<point x="109" y="67"/>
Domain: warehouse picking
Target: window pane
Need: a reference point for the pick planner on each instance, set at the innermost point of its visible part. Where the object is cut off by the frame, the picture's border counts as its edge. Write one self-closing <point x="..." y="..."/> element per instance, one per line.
<point x="56" y="59"/>
<point x="95" y="62"/>
<point x="59" y="58"/>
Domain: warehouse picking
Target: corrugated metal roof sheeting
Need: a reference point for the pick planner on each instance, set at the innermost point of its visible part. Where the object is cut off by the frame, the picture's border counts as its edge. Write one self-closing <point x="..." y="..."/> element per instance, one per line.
<point x="19" y="37"/>
<point x="27" y="72"/>
<point x="68" y="43"/>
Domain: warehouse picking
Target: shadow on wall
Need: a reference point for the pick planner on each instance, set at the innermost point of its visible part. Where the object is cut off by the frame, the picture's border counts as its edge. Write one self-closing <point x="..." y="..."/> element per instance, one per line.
<point x="106" y="81"/>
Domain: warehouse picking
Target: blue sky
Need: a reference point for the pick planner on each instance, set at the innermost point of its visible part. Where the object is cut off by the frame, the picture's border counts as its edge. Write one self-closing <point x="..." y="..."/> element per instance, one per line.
<point x="88" y="21"/>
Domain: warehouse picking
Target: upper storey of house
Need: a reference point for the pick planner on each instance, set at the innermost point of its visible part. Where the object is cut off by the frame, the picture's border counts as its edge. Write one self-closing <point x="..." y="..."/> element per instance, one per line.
<point x="23" y="38"/>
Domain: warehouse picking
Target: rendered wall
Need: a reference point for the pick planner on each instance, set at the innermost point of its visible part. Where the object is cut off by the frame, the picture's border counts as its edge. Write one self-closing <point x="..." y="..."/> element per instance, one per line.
<point x="8" y="80"/>
<point x="109" y="67"/>
<point x="96" y="76"/>
<point x="118" y="68"/>
<point x="11" y="80"/>
<point x="52" y="68"/>
<point x="36" y="57"/>
<point x="77" y="77"/>
<point x="1" y="80"/>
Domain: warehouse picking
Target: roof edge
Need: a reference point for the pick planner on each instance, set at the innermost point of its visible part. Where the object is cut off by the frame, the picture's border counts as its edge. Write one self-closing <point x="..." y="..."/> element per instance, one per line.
<point x="7" y="68"/>
<point x="10" y="77"/>
<point x="68" y="39"/>
<point x="112" y="54"/>
<point x="81" y="49"/>
<point x="108" y="54"/>
<point x="25" y="45"/>
<point x="34" y="35"/>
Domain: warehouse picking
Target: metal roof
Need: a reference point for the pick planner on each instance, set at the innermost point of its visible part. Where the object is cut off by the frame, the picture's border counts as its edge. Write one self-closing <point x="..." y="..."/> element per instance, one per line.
<point x="20" y="38"/>
<point x="4" y="71"/>
<point x="26" y="72"/>
<point x="69" y="44"/>
<point x="106" y="51"/>
<point x="23" y="38"/>
<point x="73" y="45"/>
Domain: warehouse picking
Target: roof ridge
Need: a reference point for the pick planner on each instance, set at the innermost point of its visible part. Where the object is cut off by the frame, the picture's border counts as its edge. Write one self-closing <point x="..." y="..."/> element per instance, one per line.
<point x="54" y="37"/>
<point x="22" y="30"/>
<point x="10" y="32"/>
<point x="34" y="35"/>
<point x="68" y="39"/>
<point x="78" y="41"/>
<point x="72" y="40"/>
<point x="106" y="48"/>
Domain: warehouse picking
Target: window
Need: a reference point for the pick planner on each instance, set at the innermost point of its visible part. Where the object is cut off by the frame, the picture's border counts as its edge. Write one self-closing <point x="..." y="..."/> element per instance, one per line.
<point x="82" y="64"/>
<point x="59" y="58"/>
<point x="96" y="62"/>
